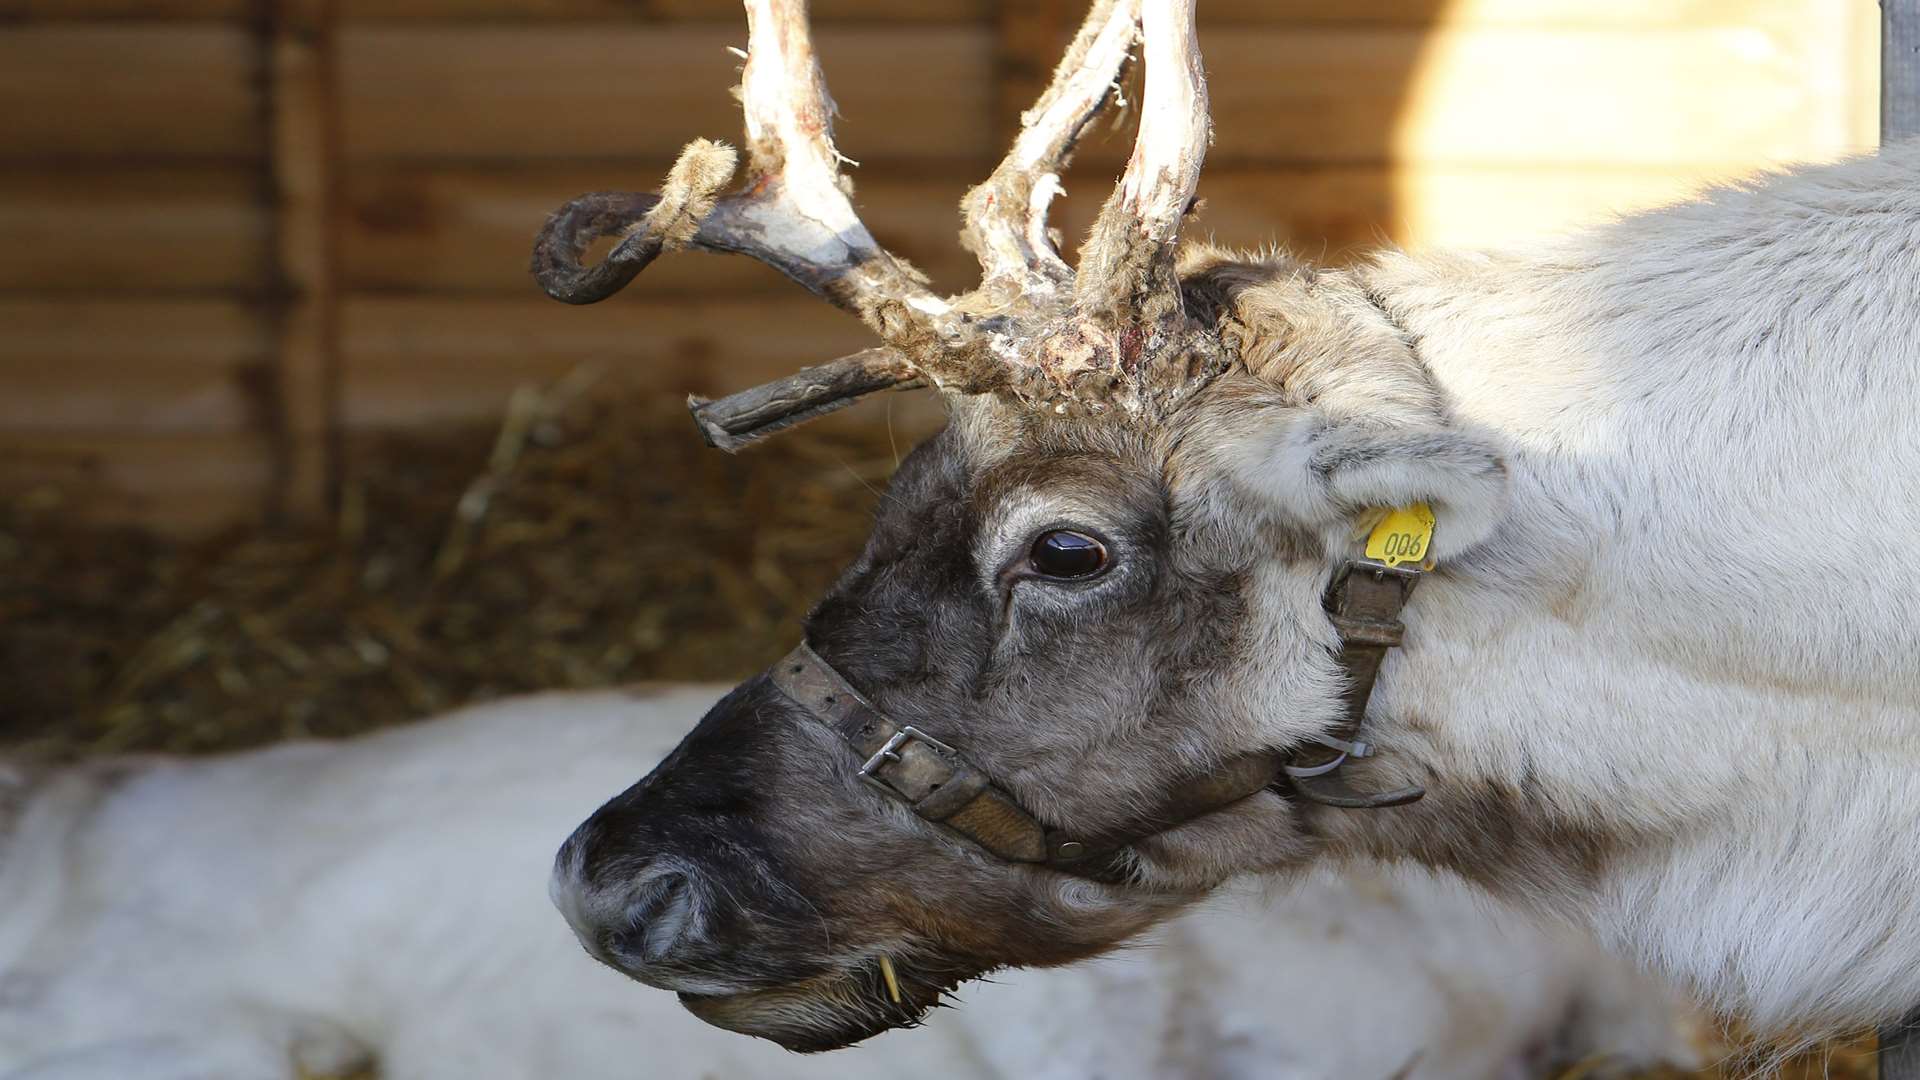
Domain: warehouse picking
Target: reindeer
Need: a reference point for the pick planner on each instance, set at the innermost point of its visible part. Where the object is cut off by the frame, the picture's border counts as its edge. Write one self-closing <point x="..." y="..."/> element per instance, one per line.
<point x="1143" y="617"/>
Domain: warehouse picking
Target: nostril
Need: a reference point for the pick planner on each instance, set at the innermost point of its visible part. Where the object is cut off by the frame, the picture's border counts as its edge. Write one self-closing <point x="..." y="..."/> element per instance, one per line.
<point x="660" y="914"/>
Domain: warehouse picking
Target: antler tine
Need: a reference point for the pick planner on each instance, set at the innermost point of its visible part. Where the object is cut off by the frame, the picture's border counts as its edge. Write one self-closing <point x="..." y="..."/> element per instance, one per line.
<point x="1127" y="261"/>
<point x="739" y="420"/>
<point x="650" y="225"/>
<point x="1006" y="216"/>
<point x="792" y="212"/>
<point x="795" y="200"/>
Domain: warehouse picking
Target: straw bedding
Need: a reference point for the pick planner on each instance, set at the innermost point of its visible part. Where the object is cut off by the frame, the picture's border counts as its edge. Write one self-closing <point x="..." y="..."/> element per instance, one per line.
<point x="589" y="538"/>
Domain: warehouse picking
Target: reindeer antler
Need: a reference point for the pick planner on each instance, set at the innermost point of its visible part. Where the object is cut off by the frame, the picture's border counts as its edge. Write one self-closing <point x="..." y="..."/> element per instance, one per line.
<point x="1141" y="221"/>
<point x="1033" y="328"/>
<point x="1128" y="328"/>
<point x="1006" y="217"/>
<point x="792" y="212"/>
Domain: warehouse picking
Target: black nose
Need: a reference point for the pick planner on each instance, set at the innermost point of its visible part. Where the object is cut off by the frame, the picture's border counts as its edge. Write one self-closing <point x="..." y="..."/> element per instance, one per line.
<point x="665" y="879"/>
<point x="643" y="915"/>
<point x="661" y="915"/>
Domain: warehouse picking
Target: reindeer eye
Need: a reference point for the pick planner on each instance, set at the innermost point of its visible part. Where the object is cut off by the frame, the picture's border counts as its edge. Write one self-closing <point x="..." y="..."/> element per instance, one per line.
<point x="1063" y="553"/>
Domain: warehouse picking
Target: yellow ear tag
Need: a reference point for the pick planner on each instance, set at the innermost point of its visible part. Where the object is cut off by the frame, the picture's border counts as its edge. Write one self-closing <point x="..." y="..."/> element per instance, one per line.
<point x="1404" y="535"/>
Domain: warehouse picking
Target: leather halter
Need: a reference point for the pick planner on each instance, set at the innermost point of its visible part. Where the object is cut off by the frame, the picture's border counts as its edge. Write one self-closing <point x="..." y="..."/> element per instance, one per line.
<point x="941" y="786"/>
<point x="1364" y="601"/>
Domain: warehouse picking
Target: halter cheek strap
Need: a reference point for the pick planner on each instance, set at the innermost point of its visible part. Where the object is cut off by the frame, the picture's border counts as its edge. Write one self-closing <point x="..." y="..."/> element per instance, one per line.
<point x="941" y="786"/>
<point x="1364" y="601"/>
<point x="932" y="778"/>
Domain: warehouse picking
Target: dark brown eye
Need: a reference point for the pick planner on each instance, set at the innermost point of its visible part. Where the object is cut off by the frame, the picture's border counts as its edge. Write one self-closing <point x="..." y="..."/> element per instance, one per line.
<point x="1063" y="553"/>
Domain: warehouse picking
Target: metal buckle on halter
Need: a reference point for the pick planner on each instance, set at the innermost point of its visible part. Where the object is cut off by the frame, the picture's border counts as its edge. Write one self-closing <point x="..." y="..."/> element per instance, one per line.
<point x="890" y="753"/>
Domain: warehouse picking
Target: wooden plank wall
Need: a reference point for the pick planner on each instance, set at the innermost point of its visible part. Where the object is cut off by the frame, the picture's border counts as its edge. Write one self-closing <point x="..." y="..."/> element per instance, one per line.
<point x="232" y="229"/>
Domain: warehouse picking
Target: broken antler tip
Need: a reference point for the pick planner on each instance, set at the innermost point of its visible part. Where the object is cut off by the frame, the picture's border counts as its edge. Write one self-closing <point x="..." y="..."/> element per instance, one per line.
<point x="739" y="420"/>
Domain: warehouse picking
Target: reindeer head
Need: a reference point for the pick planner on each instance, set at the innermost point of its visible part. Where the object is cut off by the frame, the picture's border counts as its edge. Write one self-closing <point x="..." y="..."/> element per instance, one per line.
<point x="1050" y="702"/>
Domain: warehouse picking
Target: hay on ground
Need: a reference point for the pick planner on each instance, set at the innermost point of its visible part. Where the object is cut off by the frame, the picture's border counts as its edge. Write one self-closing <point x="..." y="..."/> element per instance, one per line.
<point x="587" y="539"/>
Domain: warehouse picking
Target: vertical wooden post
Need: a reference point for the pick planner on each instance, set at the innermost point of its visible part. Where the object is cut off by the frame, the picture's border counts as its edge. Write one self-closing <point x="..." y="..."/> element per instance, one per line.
<point x="304" y="151"/>
<point x="1899" y="69"/>
<point x="1899" y="1056"/>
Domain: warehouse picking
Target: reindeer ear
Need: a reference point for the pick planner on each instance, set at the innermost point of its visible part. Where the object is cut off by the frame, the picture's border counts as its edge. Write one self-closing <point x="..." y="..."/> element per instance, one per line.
<point x="1335" y="478"/>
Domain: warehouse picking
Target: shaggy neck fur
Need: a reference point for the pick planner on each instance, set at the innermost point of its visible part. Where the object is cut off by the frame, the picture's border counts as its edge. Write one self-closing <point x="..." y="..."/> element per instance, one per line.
<point x="1675" y="694"/>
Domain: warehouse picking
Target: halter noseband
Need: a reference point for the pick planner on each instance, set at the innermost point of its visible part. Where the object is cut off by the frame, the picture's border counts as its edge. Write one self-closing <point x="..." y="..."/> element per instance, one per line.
<point x="940" y="785"/>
